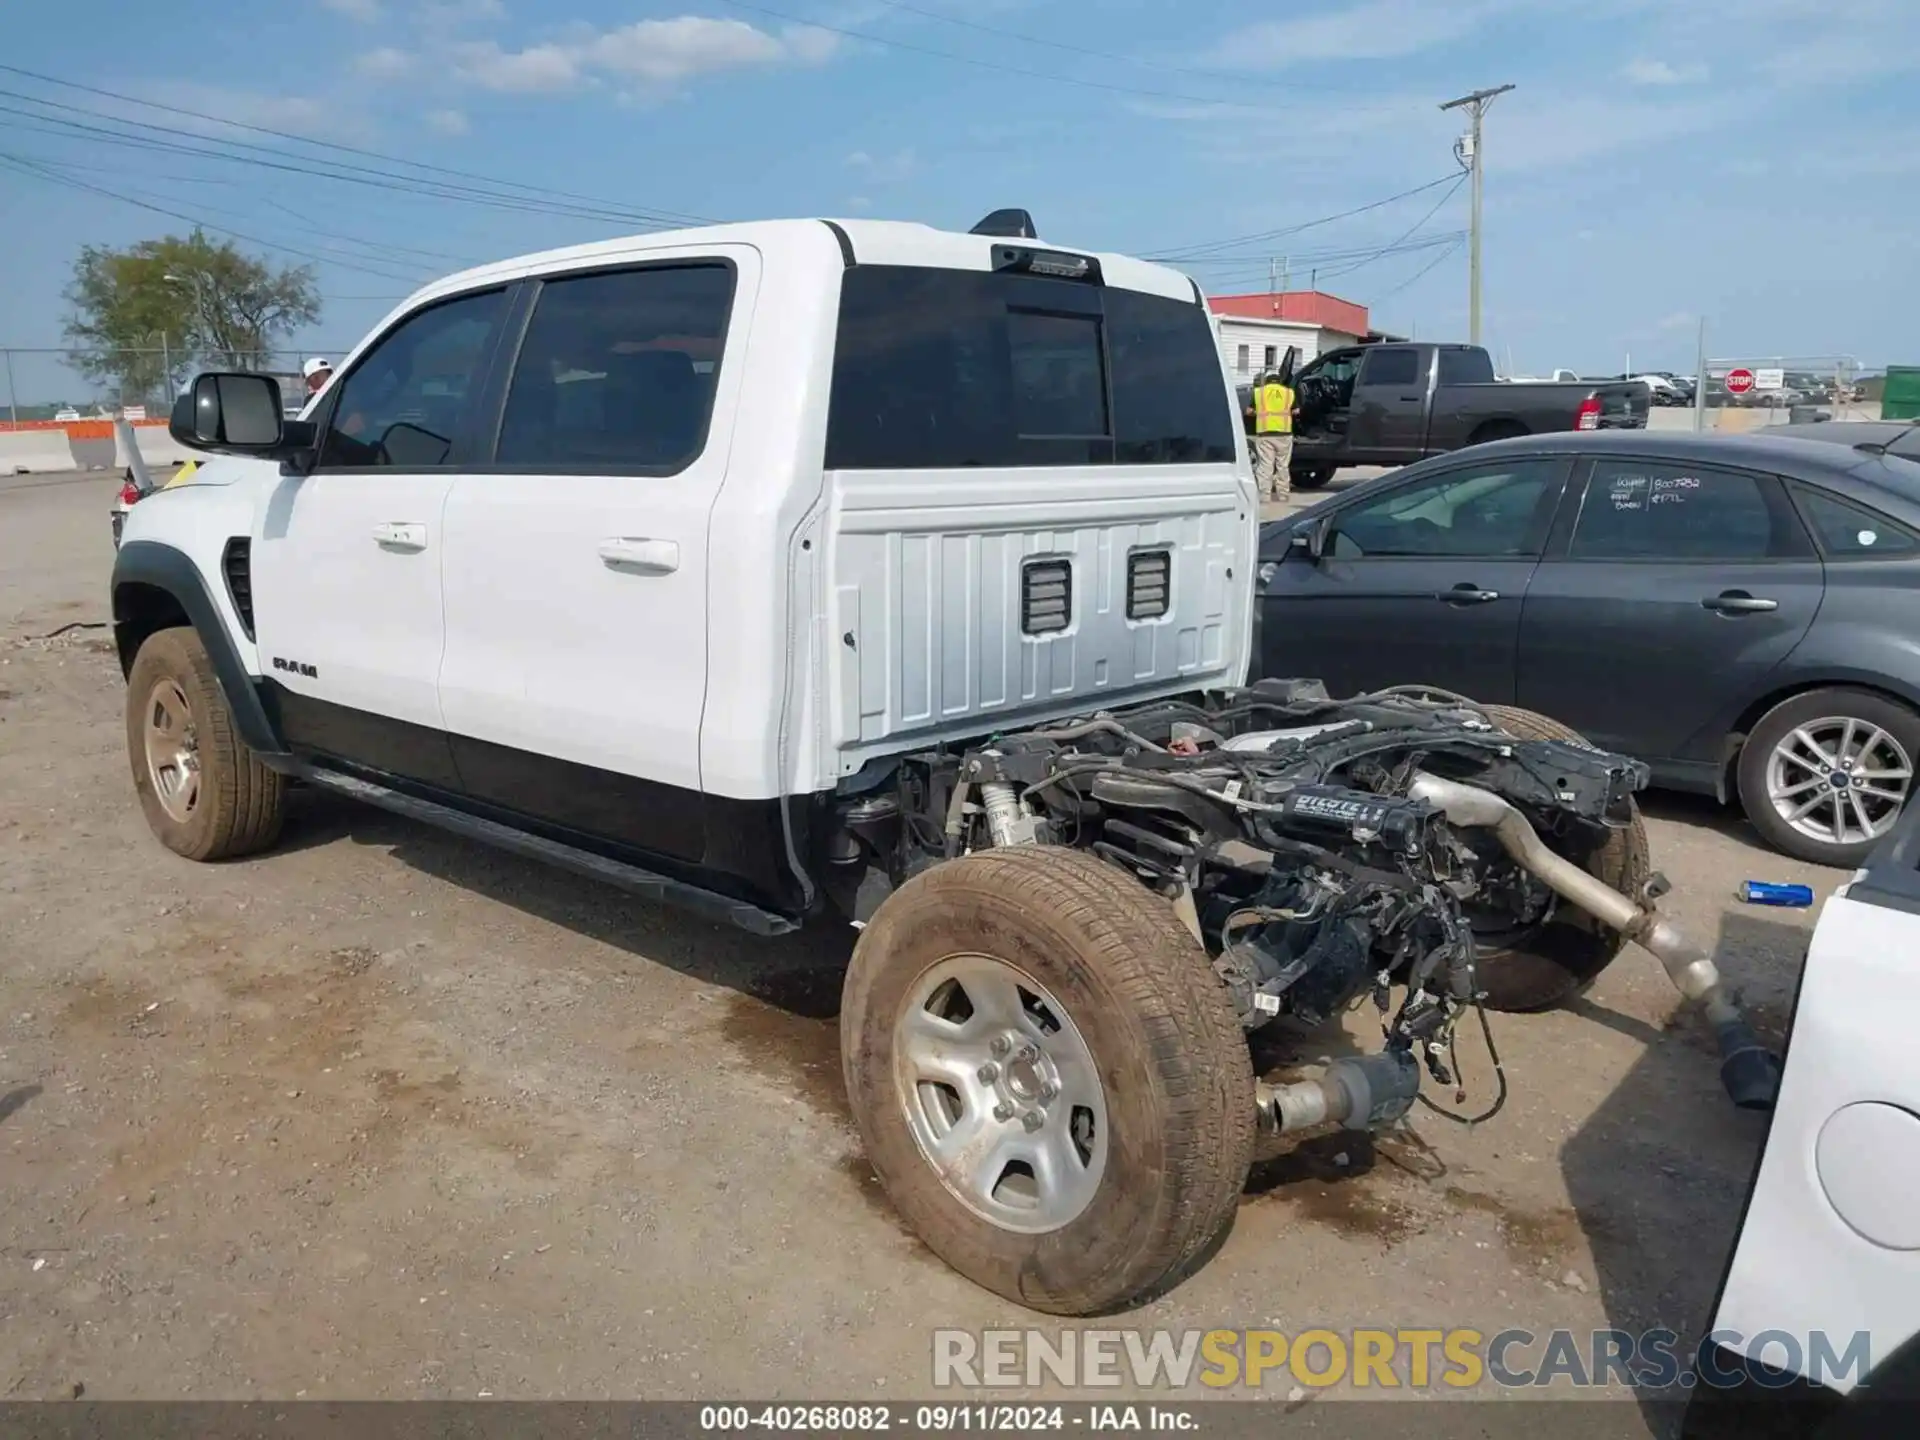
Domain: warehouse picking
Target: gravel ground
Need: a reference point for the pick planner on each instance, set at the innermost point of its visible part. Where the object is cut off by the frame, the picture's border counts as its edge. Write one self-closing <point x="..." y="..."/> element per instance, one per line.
<point x="383" y="1114"/>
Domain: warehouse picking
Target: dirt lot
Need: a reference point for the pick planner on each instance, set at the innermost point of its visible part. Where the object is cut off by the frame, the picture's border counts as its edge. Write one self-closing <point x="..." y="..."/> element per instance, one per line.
<point x="385" y="1114"/>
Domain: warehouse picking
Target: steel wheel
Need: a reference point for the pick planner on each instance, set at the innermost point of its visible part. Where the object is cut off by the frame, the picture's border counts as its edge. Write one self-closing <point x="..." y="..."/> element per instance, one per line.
<point x="1838" y="780"/>
<point x="1001" y="1093"/>
<point x="173" y="750"/>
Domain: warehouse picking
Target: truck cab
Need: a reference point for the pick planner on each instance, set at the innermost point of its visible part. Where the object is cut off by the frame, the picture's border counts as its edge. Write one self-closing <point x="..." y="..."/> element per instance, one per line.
<point x="630" y="545"/>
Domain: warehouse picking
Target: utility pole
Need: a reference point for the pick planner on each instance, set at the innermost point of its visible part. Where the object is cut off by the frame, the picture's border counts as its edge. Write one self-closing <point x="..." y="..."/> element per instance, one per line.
<point x="1476" y="108"/>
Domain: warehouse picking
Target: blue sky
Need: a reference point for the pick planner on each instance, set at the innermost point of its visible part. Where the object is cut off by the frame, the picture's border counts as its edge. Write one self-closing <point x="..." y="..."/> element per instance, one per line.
<point x="1755" y="163"/>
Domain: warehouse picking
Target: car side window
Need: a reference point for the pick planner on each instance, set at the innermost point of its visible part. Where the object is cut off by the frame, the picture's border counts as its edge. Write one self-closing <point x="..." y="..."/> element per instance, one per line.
<point x="618" y="370"/>
<point x="405" y="401"/>
<point x="1662" y="510"/>
<point x="1853" y="532"/>
<point x="1481" y="512"/>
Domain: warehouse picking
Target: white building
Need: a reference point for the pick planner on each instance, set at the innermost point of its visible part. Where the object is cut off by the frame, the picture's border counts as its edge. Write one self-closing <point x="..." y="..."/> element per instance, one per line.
<point x="1255" y="330"/>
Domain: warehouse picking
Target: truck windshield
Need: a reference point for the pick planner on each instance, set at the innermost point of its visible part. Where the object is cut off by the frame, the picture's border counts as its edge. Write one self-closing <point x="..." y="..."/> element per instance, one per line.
<point x="942" y="369"/>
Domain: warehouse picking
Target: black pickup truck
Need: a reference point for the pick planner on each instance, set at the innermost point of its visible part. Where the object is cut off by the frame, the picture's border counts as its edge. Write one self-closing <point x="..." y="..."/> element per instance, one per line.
<point x="1388" y="404"/>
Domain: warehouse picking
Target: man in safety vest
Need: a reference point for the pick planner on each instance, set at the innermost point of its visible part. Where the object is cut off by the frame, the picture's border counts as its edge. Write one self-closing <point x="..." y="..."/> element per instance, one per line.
<point x="1273" y="402"/>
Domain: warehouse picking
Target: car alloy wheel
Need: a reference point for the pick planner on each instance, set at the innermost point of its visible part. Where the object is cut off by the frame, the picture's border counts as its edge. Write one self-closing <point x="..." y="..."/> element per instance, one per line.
<point x="1001" y="1093"/>
<point x="1839" y="780"/>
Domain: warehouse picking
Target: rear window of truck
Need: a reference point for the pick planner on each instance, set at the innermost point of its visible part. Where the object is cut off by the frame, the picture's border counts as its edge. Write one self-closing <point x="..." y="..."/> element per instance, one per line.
<point x="950" y="369"/>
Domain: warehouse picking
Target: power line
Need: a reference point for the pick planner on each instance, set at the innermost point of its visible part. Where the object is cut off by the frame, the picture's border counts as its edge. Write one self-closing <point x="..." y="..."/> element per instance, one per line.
<point x="1187" y="253"/>
<point x="379" y="251"/>
<point x="1394" y="245"/>
<point x="275" y="159"/>
<point x="34" y="170"/>
<point x="664" y="216"/>
<point x="1297" y="258"/>
<point x="1453" y="249"/>
<point x="1324" y="270"/>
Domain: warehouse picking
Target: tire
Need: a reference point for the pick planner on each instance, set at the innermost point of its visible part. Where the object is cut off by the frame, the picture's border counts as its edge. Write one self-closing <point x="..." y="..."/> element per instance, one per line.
<point x="1309" y="477"/>
<point x="237" y="804"/>
<point x="1557" y="961"/>
<point x="1810" y="713"/>
<point x="1172" y="1074"/>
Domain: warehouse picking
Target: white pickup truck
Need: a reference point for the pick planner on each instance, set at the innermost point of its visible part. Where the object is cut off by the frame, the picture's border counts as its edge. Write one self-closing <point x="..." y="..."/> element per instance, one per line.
<point x="806" y="568"/>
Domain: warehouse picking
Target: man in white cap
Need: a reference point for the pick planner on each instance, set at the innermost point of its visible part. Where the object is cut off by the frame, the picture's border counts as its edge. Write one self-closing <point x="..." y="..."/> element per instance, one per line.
<point x="317" y="373"/>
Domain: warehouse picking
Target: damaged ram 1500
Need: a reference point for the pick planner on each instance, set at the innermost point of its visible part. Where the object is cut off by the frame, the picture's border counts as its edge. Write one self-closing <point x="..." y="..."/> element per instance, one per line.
<point x="807" y="568"/>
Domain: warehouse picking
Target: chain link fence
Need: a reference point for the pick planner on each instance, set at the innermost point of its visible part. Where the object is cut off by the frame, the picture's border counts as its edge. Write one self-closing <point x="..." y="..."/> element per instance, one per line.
<point x="46" y="384"/>
<point x="1748" y="392"/>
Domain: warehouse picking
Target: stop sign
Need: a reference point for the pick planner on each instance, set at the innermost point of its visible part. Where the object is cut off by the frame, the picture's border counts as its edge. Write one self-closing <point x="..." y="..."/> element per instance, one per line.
<point x="1739" y="382"/>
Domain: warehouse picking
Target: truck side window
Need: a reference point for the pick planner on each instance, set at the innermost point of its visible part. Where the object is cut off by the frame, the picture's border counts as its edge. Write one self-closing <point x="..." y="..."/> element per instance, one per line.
<point x="618" y="370"/>
<point x="1391" y="367"/>
<point x="405" y="401"/>
<point x="1465" y="367"/>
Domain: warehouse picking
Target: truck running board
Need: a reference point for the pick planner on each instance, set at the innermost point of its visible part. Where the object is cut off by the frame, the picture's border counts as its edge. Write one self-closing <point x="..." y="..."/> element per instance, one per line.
<point x="631" y="878"/>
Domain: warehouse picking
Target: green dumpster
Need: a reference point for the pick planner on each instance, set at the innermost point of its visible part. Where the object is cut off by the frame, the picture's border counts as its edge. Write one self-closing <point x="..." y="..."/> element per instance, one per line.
<point x="1902" y="398"/>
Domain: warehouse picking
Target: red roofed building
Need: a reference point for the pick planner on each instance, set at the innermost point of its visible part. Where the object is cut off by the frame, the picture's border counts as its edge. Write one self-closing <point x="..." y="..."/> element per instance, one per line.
<point x="1255" y="330"/>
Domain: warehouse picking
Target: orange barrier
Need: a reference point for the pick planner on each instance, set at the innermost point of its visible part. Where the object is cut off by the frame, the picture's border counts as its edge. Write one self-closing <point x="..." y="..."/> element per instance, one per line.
<point x="76" y="429"/>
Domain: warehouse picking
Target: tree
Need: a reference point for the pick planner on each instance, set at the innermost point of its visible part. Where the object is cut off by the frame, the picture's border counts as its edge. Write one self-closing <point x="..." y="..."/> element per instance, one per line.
<point x="145" y="316"/>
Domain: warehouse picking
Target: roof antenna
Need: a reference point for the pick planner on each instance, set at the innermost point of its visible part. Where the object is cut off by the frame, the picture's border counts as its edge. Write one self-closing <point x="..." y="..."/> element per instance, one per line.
<point x="1007" y="224"/>
<point x="1881" y="447"/>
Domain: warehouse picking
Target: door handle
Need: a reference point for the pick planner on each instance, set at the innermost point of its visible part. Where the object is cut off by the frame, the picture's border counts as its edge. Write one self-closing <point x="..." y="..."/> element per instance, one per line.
<point x="1413" y="397"/>
<point x="1467" y="593"/>
<point x="1738" y="602"/>
<point x="634" y="552"/>
<point x="399" y="535"/>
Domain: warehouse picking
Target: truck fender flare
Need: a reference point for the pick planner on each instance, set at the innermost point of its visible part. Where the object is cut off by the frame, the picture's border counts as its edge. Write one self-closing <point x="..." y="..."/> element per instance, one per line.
<point x="162" y="567"/>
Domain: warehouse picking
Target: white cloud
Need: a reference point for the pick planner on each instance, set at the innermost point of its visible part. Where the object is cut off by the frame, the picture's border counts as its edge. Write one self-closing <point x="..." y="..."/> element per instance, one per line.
<point x="859" y="204"/>
<point x="1643" y="71"/>
<point x="885" y="169"/>
<point x="447" y="122"/>
<point x="658" y="54"/>
<point x="1371" y="30"/>
<point x="538" y="69"/>
<point x="386" y="63"/>
<point x="365" y="11"/>
<point x="1678" y="320"/>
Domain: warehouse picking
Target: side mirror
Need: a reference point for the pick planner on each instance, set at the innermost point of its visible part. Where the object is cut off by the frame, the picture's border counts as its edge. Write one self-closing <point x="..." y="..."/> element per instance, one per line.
<point x="232" y="413"/>
<point x="1313" y="539"/>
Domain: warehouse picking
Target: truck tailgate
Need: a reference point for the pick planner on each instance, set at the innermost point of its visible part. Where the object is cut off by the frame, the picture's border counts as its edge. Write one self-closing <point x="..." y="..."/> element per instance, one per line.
<point x="1624" y="405"/>
<point x="960" y="608"/>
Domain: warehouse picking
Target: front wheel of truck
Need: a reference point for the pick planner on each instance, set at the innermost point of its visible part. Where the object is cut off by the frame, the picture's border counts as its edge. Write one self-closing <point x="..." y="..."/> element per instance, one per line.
<point x="205" y="794"/>
<point x="1049" y="1079"/>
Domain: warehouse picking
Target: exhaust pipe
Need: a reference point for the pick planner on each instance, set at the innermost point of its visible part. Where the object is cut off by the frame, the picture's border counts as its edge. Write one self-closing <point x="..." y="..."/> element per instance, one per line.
<point x="1750" y="1073"/>
<point x="1361" y="1092"/>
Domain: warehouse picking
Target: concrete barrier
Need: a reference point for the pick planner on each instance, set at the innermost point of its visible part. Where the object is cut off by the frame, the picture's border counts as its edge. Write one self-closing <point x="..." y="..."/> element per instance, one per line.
<point x="127" y="458"/>
<point x="30" y="451"/>
<point x="157" y="447"/>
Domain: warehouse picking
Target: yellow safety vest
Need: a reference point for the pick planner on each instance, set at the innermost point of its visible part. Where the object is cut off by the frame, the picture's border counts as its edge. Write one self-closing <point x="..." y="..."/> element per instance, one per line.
<point x="1273" y="410"/>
